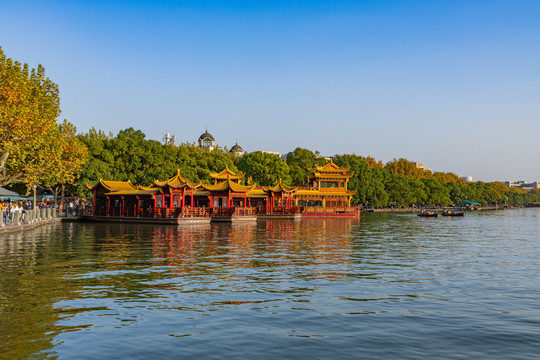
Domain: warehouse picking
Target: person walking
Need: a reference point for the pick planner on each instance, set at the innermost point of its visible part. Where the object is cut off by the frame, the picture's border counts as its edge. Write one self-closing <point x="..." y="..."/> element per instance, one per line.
<point x="4" y="213"/>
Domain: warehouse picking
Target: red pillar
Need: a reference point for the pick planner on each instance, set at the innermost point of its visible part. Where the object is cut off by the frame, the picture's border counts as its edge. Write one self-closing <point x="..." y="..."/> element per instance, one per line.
<point x="108" y="205"/>
<point x="245" y="199"/>
<point x="122" y="212"/>
<point x="171" y="203"/>
<point x="192" y="198"/>
<point x="183" y="201"/>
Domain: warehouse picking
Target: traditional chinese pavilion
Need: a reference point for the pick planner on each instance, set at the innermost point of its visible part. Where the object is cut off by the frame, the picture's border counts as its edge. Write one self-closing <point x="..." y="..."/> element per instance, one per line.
<point x="327" y="192"/>
<point x="178" y="199"/>
<point x="229" y="198"/>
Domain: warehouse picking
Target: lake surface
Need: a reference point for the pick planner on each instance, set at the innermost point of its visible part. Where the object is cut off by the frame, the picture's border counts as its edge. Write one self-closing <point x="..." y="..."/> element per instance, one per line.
<point x="390" y="286"/>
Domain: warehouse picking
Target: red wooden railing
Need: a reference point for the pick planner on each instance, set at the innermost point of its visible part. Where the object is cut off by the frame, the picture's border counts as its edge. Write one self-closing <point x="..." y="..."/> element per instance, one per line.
<point x="154" y="213"/>
<point x="235" y="211"/>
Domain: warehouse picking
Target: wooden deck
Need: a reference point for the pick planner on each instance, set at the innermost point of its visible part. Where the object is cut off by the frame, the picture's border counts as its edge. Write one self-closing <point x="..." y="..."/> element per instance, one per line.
<point x="335" y="212"/>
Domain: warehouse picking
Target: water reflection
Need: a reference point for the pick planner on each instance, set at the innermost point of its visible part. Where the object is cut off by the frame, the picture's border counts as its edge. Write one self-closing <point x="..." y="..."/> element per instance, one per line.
<point x="266" y="244"/>
<point x="273" y="289"/>
<point x="32" y="279"/>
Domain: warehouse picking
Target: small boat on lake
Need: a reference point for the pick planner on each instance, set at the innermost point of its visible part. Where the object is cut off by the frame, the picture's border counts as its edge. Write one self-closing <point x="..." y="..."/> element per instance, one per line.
<point x="452" y="213"/>
<point x="428" y="213"/>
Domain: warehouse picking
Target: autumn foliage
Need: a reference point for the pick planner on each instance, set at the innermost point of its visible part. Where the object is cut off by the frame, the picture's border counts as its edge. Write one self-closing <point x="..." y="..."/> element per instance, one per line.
<point x="34" y="147"/>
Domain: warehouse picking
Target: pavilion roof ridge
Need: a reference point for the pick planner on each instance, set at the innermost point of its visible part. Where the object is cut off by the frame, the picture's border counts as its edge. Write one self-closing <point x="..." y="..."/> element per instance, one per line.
<point x="177" y="181"/>
<point x="280" y="187"/>
<point x="228" y="184"/>
<point x="112" y="185"/>
<point x="222" y="175"/>
<point x="330" y="167"/>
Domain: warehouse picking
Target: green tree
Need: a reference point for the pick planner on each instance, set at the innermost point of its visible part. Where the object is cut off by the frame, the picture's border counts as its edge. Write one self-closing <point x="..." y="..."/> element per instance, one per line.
<point x="436" y="193"/>
<point x="33" y="146"/>
<point x="367" y="181"/>
<point x="418" y="194"/>
<point x="264" y="168"/>
<point x="405" y="167"/>
<point x="399" y="190"/>
<point x="447" y="177"/>
<point x="100" y="160"/>
<point x="300" y="161"/>
<point x="196" y="164"/>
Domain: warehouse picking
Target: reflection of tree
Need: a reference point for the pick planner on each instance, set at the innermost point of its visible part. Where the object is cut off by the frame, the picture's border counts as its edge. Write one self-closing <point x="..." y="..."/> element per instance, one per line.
<point x="34" y="266"/>
<point x="52" y="274"/>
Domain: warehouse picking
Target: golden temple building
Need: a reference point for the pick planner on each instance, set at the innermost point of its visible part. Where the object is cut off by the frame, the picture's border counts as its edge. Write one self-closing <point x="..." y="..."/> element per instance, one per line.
<point x="178" y="197"/>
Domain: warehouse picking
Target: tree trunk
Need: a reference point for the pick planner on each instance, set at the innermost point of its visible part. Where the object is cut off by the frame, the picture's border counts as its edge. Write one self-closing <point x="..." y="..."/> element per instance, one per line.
<point x="62" y="196"/>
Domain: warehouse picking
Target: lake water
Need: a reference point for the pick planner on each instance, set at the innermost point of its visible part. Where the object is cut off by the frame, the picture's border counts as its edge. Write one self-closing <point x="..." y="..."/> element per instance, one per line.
<point x="390" y="286"/>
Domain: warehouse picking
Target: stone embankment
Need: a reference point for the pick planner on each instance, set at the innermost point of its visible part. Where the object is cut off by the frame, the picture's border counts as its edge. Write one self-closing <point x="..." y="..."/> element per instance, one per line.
<point x="29" y="220"/>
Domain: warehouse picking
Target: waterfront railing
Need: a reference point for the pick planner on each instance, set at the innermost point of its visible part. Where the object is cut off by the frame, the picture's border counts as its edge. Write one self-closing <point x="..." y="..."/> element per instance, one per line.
<point x="27" y="218"/>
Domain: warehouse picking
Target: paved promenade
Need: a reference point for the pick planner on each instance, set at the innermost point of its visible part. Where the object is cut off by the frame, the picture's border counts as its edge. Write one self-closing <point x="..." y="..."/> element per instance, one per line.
<point x="28" y="220"/>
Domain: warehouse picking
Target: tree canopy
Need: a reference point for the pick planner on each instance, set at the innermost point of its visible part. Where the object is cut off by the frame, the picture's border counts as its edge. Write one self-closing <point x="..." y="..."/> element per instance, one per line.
<point x="34" y="147"/>
<point x="264" y="168"/>
<point x="300" y="161"/>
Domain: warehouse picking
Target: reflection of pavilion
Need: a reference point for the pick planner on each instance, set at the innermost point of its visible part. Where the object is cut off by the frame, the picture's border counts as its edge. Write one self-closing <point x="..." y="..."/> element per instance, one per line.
<point x="230" y="198"/>
<point x="318" y="244"/>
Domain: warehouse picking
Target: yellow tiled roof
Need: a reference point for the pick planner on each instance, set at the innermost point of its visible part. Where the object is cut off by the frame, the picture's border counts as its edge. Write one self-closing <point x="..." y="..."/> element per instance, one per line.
<point x="331" y="167"/>
<point x="318" y="174"/>
<point x="256" y="193"/>
<point x="226" y="174"/>
<point x="280" y="187"/>
<point x="177" y="182"/>
<point x="228" y="184"/>
<point x="113" y="185"/>
<point x="134" y="192"/>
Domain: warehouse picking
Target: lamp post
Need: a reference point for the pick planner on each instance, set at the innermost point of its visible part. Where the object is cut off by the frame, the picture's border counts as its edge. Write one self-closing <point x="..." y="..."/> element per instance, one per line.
<point x="35" y="187"/>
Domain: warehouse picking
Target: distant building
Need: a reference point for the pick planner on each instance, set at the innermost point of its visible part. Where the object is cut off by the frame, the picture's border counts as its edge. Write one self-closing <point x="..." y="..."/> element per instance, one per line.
<point x="522" y="185"/>
<point x="514" y="184"/>
<point x="207" y="141"/>
<point x="280" y="155"/>
<point x="467" y="179"/>
<point x="168" y="139"/>
<point x="237" y="150"/>
<point x="273" y="153"/>
<point x="420" y="165"/>
<point x="531" y="186"/>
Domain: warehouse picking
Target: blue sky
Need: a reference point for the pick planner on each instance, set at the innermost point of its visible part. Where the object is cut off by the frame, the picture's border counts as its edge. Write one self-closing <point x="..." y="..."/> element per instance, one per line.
<point x="453" y="84"/>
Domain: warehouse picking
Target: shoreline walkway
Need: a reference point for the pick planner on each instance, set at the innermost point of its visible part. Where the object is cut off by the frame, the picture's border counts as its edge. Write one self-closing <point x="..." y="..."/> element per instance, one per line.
<point x="418" y="209"/>
<point x="30" y="220"/>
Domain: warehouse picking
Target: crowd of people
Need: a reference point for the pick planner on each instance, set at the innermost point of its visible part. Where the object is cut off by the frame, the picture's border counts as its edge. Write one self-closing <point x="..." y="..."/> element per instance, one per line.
<point x="9" y="208"/>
